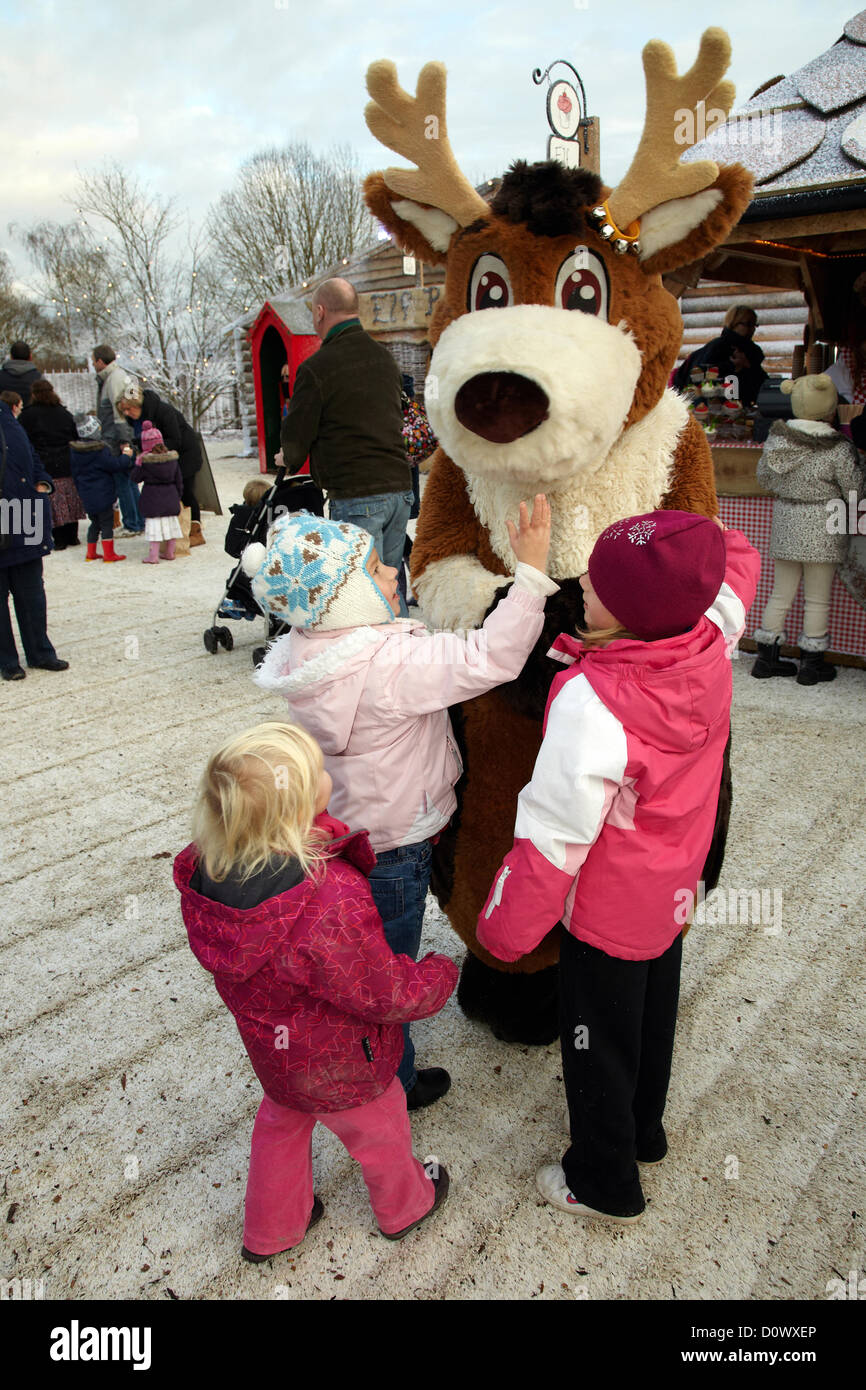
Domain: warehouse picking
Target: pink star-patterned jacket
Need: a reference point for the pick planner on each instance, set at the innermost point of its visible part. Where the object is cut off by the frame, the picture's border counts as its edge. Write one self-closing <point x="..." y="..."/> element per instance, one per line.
<point x="316" y="992"/>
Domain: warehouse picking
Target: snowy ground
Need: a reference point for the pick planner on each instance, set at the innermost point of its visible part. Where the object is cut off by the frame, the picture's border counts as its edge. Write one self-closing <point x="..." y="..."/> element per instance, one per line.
<point x="128" y="1100"/>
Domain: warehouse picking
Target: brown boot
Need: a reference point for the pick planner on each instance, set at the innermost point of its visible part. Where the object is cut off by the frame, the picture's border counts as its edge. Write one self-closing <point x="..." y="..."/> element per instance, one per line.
<point x="196" y="536"/>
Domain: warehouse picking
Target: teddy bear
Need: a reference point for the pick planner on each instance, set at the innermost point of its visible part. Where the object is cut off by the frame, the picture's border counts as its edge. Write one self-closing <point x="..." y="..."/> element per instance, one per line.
<point x="806" y="464"/>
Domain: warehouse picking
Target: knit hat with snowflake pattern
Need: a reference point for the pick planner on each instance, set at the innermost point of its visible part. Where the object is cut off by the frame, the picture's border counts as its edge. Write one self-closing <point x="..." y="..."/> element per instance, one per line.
<point x="313" y="574"/>
<point x="659" y="572"/>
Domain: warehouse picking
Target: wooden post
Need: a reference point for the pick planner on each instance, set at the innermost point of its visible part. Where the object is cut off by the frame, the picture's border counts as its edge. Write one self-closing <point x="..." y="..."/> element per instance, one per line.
<point x="591" y="158"/>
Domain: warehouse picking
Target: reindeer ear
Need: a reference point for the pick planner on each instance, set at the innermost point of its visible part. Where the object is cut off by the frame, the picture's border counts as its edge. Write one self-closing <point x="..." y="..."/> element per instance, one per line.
<point x="685" y="229"/>
<point x="422" y="231"/>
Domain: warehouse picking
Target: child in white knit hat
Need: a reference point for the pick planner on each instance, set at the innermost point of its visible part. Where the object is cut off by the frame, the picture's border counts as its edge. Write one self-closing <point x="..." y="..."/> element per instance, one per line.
<point x="374" y="692"/>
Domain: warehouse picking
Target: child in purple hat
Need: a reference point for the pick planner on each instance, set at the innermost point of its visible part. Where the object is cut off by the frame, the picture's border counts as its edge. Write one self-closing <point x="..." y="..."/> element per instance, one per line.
<point x="613" y="831"/>
<point x="158" y="468"/>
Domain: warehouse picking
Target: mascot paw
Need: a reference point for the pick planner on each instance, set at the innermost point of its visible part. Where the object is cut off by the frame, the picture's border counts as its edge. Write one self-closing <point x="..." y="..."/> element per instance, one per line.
<point x="518" y="1008"/>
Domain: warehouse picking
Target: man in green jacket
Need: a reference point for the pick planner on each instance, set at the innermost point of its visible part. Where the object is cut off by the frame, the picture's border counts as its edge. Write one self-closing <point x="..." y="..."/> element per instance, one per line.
<point x="346" y="414"/>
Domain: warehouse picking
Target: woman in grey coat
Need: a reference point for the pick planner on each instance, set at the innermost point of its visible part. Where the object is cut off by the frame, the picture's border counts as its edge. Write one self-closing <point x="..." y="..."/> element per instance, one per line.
<point x="808" y="466"/>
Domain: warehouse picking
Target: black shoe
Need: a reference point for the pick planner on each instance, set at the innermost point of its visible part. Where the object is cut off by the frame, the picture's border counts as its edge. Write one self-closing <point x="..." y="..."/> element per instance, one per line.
<point x="769" y="663"/>
<point x="54" y="665"/>
<point x="315" y="1215"/>
<point x="430" y="1086"/>
<point x="654" y="1151"/>
<point x="14" y="673"/>
<point x="813" y="668"/>
<point x="441" y="1184"/>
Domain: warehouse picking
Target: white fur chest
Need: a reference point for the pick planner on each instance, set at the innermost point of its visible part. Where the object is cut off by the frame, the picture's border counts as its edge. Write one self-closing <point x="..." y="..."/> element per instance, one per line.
<point x="632" y="479"/>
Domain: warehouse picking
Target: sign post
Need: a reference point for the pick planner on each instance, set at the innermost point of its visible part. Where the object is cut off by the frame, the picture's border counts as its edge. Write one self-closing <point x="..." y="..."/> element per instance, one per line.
<point x="574" y="138"/>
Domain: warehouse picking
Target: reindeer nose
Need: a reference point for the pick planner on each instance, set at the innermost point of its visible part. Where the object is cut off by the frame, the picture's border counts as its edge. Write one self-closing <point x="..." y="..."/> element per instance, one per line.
<point x="501" y="406"/>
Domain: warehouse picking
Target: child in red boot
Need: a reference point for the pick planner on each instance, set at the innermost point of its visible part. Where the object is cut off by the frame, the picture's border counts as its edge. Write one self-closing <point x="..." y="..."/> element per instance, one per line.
<point x="277" y="906"/>
<point x="158" y="468"/>
<point x="94" y="469"/>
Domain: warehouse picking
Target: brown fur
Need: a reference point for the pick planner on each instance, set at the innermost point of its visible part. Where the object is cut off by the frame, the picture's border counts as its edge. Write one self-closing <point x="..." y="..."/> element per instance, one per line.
<point x="501" y="742"/>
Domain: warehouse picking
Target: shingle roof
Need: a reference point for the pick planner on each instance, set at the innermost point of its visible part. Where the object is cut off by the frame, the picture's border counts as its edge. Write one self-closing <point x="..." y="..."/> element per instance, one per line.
<point x="806" y="130"/>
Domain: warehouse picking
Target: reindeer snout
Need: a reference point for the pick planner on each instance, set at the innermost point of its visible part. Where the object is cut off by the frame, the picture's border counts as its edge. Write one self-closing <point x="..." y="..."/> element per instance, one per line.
<point x="501" y="406"/>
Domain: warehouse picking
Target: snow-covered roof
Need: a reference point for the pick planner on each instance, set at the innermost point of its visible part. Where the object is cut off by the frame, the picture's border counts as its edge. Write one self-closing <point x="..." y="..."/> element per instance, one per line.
<point x="805" y="131"/>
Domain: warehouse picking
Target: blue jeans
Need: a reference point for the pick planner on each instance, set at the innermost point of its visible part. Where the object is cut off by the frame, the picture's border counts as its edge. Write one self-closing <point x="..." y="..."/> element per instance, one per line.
<point x="399" y="884"/>
<point x="127" y="500"/>
<point x="384" y="516"/>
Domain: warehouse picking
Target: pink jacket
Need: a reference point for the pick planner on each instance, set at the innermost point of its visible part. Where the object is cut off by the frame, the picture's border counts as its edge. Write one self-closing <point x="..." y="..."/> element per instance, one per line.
<point x="614" y="828"/>
<point x="376" y="701"/>
<point x="317" y="993"/>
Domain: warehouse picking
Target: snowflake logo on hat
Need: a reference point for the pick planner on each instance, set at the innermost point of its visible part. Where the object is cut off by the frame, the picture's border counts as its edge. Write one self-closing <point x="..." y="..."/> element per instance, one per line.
<point x="640" y="533"/>
<point x="613" y="532"/>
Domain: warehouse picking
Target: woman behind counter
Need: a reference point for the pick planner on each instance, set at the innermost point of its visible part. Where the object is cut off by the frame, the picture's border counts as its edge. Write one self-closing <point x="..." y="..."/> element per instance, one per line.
<point x="733" y="352"/>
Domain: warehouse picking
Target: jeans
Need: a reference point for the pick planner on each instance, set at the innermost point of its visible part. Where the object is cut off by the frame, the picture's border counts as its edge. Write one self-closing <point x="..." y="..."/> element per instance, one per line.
<point x="399" y="884"/>
<point x="384" y="516"/>
<point x="127" y="500"/>
<point x="24" y="584"/>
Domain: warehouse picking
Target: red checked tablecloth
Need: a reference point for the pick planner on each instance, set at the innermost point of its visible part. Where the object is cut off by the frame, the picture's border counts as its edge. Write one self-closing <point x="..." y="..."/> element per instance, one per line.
<point x="753" y="516"/>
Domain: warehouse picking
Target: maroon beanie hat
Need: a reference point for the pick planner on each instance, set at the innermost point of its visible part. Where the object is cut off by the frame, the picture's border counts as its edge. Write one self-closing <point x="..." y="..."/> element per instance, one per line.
<point x="150" y="437"/>
<point x="658" y="573"/>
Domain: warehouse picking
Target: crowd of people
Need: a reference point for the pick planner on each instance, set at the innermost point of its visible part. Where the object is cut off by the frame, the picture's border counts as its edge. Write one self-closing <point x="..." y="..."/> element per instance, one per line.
<point x="135" y="452"/>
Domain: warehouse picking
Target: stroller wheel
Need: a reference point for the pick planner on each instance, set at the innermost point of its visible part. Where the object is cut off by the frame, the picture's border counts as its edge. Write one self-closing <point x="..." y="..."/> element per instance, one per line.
<point x="224" y="638"/>
<point x="258" y="655"/>
<point x="210" y="640"/>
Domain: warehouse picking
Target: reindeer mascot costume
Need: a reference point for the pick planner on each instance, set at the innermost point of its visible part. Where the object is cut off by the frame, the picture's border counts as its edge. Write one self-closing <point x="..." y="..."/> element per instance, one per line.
<point x="562" y="389"/>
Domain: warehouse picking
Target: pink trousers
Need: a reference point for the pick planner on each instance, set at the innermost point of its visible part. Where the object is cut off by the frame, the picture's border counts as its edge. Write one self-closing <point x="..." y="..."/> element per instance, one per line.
<point x="279" y="1198"/>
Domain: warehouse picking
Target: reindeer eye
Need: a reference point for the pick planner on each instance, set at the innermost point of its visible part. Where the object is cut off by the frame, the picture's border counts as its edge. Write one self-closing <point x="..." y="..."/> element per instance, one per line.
<point x="489" y="285"/>
<point x="582" y="283"/>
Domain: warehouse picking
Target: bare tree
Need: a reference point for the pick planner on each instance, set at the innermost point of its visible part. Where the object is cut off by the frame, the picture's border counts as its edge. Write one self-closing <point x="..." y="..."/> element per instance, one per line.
<point x="75" y="281"/>
<point x="170" y="308"/>
<point x="24" y="319"/>
<point x="199" y="367"/>
<point x="290" y="214"/>
<point x="141" y="225"/>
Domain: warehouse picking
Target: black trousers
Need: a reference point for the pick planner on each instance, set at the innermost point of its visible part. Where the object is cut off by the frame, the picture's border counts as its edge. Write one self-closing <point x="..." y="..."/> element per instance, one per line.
<point x="24" y="584"/>
<point x="617" y="1024"/>
<point x="189" y="499"/>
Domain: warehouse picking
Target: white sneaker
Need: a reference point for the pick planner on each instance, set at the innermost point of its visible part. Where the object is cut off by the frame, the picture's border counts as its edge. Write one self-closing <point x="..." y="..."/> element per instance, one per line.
<point x="126" y="535"/>
<point x="551" y="1183"/>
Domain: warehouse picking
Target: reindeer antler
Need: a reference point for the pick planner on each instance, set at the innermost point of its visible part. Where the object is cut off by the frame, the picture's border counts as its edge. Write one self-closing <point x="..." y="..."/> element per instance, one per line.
<point x="415" y="128"/>
<point x="656" y="175"/>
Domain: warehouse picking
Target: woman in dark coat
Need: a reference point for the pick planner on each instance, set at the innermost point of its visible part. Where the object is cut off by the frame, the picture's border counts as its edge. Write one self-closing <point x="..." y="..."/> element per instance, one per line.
<point x="51" y="429"/>
<point x="180" y="437"/>
<point x="734" y="353"/>
<point x="25" y="536"/>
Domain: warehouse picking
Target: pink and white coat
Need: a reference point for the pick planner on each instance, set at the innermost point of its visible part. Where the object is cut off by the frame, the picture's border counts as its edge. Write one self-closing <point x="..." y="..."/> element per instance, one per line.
<point x="619" y="815"/>
<point x="376" y="701"/>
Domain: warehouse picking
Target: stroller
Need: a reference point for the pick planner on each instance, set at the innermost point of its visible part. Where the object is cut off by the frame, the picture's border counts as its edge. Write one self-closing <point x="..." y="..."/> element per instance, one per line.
<point x="296" y="493"/>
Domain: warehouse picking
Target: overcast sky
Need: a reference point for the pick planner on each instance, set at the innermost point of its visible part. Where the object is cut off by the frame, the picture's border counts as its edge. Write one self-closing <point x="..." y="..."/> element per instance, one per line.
<point x="181" y="94"/>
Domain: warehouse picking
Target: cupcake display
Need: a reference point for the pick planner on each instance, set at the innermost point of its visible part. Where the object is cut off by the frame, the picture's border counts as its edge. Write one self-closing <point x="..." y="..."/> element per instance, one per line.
<point x="712" y="409"/>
